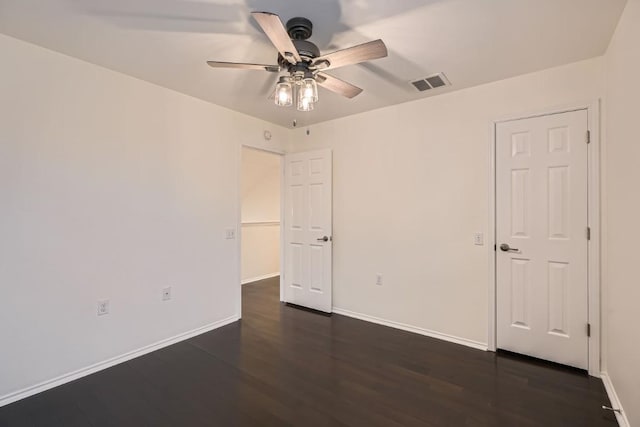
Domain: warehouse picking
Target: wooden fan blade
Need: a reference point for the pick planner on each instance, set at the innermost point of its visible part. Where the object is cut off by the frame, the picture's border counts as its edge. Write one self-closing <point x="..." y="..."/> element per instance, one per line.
<point x="241" y="66"/>
<point x="273" y="28"/>
<point x="336" y="85"/>
<point x="352" y="55"/>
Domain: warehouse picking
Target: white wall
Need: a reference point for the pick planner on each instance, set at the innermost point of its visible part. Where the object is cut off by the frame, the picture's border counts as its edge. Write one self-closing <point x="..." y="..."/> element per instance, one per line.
<point x="410" y="189"/>
<point x="622" y="211"/>
<point x="111" y="188"/>
<point x="260" y="214"/>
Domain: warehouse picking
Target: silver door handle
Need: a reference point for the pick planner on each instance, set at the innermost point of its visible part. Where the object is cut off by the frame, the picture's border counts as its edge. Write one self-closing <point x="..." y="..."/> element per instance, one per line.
<point x="506" y="248"/>
<point x="323" y="239"/>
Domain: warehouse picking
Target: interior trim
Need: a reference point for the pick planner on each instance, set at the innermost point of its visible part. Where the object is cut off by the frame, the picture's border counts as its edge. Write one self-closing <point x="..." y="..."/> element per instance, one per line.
<point x="264" y="276"/>
<point x="415" y="329"/>
<point x="259" y="223"/>
<point x="83" y="372"/>
<point x="621" y="416"/>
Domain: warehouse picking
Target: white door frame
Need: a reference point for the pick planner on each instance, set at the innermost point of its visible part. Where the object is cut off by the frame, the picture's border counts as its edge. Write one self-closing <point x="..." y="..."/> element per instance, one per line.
<point x="593" y="212"/>
<point x="238" y="280"/>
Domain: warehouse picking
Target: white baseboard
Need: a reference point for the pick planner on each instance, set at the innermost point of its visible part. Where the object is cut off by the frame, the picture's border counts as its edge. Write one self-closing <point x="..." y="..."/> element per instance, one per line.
<point x="414" y="329"/>
<point x="615" y="402"/>
<point x="255" y="279"/>
<point x="71" y="376"/>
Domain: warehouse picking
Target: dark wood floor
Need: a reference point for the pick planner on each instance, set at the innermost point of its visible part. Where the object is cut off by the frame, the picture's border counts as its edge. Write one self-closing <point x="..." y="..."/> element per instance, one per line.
<point x="284" y="366"/>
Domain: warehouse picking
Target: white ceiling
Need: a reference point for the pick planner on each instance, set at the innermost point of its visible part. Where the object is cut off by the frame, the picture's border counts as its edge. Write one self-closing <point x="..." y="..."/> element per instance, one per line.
<point x="168" y="41"/>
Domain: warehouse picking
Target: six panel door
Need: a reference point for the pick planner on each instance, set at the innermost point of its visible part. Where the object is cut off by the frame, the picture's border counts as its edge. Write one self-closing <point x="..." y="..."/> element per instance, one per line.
<point x="308" y="223"/>
<point x="541" y="224"/>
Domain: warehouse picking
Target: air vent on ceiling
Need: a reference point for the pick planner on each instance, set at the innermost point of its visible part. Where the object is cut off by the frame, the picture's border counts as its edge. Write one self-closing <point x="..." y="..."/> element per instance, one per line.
<point x="431" y="82"/>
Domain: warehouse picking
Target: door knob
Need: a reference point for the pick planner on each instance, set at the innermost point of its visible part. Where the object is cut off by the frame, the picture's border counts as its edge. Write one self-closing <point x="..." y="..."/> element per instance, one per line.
<point x="323" y="239"/>
<point x="506" y="248"/>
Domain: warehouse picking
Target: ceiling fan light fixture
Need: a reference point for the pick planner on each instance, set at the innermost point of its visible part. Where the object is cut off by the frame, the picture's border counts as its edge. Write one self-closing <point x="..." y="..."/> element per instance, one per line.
<point x="304" y="62"/>
<point x="309" y="89"/>
<point x="304" y="104"/>
<point x="284" y="92"/>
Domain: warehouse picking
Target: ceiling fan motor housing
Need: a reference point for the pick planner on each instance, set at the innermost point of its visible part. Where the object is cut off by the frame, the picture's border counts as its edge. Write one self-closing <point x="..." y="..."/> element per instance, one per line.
<point x="299" y="28"/>
<point x="307" y="50"/>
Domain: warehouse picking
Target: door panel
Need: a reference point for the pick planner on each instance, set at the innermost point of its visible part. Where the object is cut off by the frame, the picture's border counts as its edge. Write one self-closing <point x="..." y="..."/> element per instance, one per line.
<point x="541" y="214"/>
<point x="558" y="290"/>
<point x="307" y="219"/>
<point x="295" y="269"/>
<point x="520" y="293"/>
<point x="520" y="203"/>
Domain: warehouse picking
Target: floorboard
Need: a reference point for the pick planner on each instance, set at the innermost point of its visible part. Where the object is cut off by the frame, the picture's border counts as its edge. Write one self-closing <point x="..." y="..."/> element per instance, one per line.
<point x="281" y="366"/>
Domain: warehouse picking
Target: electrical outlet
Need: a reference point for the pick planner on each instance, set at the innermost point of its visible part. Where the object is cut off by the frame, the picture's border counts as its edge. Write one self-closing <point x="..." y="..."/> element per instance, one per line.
<point x="103" y="307"/>
<point x="379" y="279"/>
<point x="166" y="293"/>
<point x="230" y="233"/>
<point x="478" y="239"/>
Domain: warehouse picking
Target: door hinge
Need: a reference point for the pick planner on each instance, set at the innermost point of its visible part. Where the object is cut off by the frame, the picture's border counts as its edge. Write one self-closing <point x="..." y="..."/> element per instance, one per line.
<point x="588" y="137"/>
<point x="588" y="329"/>
<point x="495" y="248"/>
<point x="588" y="233"/>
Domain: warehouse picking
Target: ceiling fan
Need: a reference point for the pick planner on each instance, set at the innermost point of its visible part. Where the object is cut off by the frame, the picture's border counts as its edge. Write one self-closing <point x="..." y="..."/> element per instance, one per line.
<point x="303" y="63"/>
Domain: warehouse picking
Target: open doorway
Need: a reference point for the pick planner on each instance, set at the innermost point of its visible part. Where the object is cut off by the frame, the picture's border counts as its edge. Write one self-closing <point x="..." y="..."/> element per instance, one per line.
<point x="261" y="174"/>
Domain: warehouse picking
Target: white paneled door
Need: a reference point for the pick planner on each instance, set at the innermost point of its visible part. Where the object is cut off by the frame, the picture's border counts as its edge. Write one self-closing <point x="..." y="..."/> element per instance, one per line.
<point x="307" y="232"/>
<point x="541" y="232"/>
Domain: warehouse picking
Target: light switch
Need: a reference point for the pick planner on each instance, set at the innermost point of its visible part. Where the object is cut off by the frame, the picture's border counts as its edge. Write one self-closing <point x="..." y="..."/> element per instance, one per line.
<point x="230" y="233"/>
<point x="478" y="239"/>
